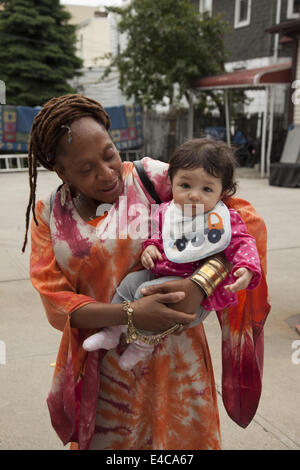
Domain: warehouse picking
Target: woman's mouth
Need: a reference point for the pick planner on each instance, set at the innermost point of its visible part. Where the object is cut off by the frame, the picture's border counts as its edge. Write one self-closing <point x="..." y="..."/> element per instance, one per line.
<point x="111" y="189"/>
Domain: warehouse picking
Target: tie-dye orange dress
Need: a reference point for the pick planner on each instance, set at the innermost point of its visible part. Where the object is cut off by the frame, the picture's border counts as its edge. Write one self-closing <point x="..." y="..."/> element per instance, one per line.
<point x="168" y="401"/>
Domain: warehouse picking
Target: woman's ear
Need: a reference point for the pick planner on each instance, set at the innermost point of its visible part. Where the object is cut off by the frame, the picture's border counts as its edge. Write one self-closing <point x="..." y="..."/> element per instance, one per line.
<point x="59" y="170"/>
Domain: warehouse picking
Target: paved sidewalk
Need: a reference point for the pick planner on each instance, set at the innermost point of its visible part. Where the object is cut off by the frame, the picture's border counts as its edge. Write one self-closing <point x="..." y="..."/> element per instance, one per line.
<point x="31" y="344"/>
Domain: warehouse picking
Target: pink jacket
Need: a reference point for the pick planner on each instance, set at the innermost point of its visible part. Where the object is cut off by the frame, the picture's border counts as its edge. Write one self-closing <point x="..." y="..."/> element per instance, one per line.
<point x="241" y="252"/>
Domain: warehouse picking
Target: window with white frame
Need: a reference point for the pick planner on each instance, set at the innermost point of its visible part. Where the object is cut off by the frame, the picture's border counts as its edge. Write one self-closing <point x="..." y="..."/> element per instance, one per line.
<point x="293" y="9"/>
<point x="205" y="5"/>
<point x="242" y="13"/>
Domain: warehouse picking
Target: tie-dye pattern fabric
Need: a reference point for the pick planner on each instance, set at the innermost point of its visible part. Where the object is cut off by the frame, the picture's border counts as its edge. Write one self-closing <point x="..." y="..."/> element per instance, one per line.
<point x="169" y="402"/>
<point x="165" y="402"/>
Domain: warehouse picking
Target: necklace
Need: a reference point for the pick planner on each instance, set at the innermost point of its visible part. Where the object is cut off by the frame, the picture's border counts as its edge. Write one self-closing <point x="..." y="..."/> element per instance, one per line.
<point x="83" y="202"/>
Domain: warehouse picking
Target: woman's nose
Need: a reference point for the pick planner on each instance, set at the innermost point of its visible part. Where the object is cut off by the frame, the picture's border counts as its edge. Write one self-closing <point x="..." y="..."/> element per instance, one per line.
<point x="105" y="173"/>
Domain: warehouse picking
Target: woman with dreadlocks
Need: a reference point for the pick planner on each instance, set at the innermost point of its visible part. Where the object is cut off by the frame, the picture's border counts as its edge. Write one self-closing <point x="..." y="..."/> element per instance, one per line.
<point x="169" y="401"/>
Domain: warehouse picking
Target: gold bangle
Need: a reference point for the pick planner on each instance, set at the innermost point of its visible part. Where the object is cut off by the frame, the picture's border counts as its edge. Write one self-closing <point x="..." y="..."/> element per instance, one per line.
<point x="134" y="334"/>
<point x="209" y="276"/>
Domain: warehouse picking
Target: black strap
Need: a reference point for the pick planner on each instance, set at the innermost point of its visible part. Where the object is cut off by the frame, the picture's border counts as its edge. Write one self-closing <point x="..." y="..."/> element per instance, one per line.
<point x="145" y="180"/>
<point x="52" y="197"/>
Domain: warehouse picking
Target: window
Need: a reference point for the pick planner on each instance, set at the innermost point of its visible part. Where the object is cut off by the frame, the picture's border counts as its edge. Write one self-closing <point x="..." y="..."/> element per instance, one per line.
<point x="205" y="5"/>
<point x="293" y="9"/>
<point x="242" y="13"/>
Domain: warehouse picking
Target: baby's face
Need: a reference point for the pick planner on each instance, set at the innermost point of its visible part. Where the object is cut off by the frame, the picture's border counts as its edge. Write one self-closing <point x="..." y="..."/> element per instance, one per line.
<point x="197" y="190"/>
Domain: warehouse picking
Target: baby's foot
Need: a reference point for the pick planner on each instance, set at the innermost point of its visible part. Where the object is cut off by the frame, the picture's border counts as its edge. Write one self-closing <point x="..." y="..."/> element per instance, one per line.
<point x="108" y="338"/>
<point x="134" y="354"/>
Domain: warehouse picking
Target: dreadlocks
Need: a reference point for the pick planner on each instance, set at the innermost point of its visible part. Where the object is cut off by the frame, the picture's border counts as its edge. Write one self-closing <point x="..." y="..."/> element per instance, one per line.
<point x="48" y="127"/>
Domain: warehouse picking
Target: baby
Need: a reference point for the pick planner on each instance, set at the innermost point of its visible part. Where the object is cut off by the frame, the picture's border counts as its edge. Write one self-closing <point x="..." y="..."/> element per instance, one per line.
<point x="194" y="225"/>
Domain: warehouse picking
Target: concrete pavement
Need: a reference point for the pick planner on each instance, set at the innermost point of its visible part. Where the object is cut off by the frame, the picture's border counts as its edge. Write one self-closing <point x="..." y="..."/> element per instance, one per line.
<point x="31" y="343"/>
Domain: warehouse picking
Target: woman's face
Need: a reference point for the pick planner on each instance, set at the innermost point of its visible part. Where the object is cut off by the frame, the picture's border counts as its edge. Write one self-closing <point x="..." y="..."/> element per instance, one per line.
<point x="90" y="163"/>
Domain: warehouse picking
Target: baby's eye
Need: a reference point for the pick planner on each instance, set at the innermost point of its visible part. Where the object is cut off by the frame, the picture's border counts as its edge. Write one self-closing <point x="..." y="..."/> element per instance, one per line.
<point x="185" y="185"/>
<point x="207" y="189"/>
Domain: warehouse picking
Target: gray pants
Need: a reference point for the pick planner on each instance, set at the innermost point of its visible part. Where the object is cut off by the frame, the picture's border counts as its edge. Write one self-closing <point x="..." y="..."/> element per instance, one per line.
<point x="130" y="289"/>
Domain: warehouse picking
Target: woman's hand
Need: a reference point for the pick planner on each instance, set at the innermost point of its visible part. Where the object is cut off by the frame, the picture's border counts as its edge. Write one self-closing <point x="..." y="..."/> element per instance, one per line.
<point x="189" y="303"/>
<point x="152" y="314"/>
<point x="149" y="313"/>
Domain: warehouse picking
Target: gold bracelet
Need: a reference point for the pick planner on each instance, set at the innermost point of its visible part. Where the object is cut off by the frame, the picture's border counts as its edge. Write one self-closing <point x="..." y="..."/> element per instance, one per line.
<point x="209" y="276"/>
<point x="134" y="334"/>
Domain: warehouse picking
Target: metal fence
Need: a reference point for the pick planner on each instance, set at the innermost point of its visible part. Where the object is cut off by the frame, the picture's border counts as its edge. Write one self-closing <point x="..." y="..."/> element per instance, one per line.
<point x="130" y="155"/>
<point x="19" y="162"/>
<point x="13" y="162"/>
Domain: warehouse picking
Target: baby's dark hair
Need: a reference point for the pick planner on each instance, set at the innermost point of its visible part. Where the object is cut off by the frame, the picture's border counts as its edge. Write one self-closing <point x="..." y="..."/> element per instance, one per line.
<point x="214" y="156"/>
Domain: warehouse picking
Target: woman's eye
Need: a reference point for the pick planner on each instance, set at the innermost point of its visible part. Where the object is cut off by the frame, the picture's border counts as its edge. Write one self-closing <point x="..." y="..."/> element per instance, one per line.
<point x="86" y="170"/>
<point x="109" y="154"/>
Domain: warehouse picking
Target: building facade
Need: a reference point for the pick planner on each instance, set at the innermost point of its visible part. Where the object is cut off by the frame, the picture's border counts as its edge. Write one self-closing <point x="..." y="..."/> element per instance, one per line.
<point x="249" y="46"/>
<point x="97" y="37"/>
<point x="246" y="39"/>
<point x="93" y="34"/>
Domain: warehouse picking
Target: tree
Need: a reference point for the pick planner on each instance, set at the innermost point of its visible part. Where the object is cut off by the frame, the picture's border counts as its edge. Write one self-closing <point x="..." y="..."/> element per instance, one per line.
<point x="37" y="50"/>
<point x="168" y="45"/>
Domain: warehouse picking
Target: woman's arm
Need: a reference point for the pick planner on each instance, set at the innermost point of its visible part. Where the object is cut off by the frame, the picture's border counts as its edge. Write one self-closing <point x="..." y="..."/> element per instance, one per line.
<point x="57" y="292"/>
<point x="195" y="293"/>
<point x="149" y="313"/>
<point x="61" y="301"/>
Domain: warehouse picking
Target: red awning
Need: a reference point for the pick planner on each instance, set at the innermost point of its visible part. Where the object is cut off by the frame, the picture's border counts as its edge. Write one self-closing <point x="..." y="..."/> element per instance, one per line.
<point x="252" y="78"/>
<point x="290" y="27"/>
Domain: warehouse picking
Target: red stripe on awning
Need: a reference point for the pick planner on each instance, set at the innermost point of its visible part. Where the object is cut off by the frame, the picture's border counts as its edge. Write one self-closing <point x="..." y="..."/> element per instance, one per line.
<point x="277" y="73"/>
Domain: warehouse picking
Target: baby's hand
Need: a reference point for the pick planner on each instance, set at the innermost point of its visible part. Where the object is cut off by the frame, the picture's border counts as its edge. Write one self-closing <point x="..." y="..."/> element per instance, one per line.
<point x="244" y="277"/>
<point x="149" y="254"/>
